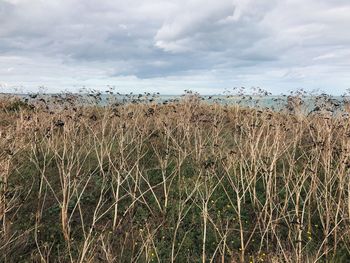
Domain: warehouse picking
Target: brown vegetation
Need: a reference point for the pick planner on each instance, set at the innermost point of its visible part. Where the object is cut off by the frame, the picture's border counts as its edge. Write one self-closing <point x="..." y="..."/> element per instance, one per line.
<point x="179" y="182"/>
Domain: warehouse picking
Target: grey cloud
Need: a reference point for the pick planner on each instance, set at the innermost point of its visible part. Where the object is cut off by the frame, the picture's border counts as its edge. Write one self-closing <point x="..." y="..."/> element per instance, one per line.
<point x="229" y="40"/>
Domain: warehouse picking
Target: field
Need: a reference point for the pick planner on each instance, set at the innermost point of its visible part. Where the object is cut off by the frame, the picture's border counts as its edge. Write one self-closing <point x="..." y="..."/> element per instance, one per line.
<point x="184" y="181"/>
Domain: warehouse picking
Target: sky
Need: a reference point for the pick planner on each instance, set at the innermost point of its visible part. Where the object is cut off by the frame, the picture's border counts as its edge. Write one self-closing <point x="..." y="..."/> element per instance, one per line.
<point x="171" y="46"/>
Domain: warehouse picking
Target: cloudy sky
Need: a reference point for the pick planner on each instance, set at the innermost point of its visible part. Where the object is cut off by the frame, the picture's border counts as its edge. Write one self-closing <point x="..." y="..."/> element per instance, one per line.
<point x="170" y="46"/>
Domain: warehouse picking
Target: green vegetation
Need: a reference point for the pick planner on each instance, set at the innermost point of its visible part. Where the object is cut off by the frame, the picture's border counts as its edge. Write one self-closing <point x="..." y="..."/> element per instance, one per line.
<point x="182" y="182"/>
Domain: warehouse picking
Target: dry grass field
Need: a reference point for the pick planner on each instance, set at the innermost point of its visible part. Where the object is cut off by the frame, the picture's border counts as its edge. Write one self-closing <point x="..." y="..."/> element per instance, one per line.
<point x="185" y="181"/>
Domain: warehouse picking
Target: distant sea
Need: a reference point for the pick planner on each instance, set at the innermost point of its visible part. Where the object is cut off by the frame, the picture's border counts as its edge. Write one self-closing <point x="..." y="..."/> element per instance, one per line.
<point x="276" y="103"/>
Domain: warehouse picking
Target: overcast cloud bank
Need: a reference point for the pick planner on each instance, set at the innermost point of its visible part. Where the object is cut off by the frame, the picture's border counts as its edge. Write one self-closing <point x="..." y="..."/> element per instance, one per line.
<point x="169" y="46"/>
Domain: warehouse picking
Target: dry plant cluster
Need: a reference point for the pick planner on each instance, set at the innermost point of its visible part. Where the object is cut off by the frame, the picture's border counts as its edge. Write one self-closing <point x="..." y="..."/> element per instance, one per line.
<point x="185" y="181"/>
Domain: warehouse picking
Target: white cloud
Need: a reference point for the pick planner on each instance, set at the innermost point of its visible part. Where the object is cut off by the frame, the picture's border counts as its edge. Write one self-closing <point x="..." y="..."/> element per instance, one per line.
<point x="203" y="44"/>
